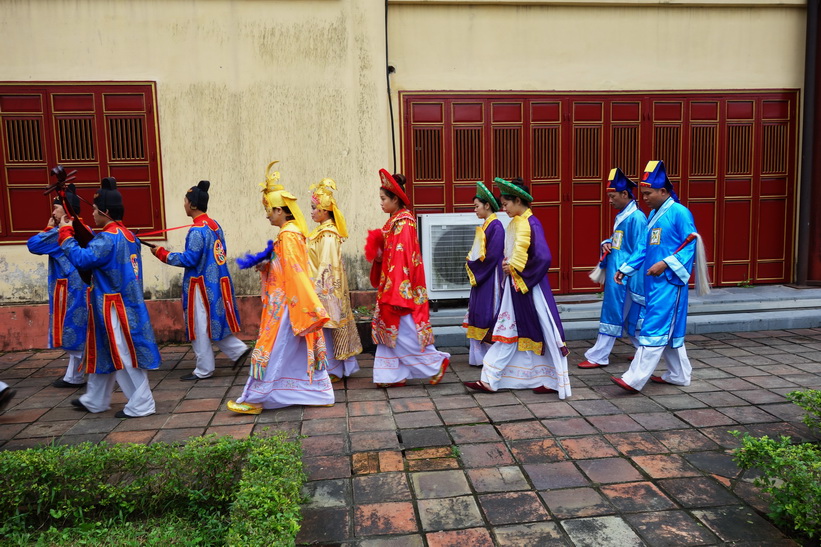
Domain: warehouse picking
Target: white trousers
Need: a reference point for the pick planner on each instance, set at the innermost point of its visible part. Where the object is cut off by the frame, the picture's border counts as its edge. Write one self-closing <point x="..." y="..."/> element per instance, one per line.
<point x="478" y="350"/>
<point x="405" y="361"/>
<point x="231" y="346"/>
<point x="132" y="381"/>
<point x="338" y="368"/>
<point x="3" y="385"/>
<point x="679" y="369"/>
<point x="600" y="352"/>
<point x="74" y="372"/>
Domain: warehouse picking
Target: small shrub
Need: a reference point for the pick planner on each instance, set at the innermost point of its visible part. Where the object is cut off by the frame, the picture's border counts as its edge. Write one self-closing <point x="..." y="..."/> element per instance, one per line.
<point x="791" y="473"/>
<point x="157" y="494"/>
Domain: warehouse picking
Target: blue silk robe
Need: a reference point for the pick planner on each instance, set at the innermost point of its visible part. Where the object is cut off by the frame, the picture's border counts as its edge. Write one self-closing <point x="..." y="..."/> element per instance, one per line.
<point x="67" y="306"/>
<point x="665" y="313"/>
<point x="628" y="230"/>
<point x="113" y="257"/>
<point x="206" y="273"/>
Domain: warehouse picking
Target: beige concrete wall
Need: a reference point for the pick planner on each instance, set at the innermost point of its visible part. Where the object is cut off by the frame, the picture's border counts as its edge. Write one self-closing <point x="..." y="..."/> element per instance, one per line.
<point x="239" y="84"/>
<point x="243" y="82"/>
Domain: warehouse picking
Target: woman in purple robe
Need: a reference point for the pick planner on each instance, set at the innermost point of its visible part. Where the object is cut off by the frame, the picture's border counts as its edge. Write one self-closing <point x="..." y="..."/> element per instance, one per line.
<point x="484" y="268"/>
<point x="529" y="351"/>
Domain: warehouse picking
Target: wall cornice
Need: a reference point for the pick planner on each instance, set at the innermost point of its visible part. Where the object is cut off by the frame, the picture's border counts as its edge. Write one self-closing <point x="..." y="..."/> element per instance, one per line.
<point x="614" y="3"/>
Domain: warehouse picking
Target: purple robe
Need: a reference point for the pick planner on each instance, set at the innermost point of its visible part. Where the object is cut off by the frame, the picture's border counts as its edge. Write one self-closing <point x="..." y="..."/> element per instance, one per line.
<point x="535" y="273"/>
<point x="484" y="296"/>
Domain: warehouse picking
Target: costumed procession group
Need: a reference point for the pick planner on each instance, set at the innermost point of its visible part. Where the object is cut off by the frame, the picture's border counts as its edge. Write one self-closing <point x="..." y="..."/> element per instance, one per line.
<point x="308" y="337"/>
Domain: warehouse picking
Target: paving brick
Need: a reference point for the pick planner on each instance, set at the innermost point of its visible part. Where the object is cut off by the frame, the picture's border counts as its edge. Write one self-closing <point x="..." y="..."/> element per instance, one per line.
<point x="322" y="445"/>
<point x="739" y="524"/>
<point x="14" y="416"/>
<point x="174" y="435"/>
<point x="513" y="508"/>
<point x="464" y="416"/>
<point x="411" y="405"/>
<point x="455" y="402"/>
<point x="537" y="451"/>
<point x="153" y="422"/>
<point x="380" y="487"/>
<point x="327" y="426"/>
<point x="326" y="467"/>
<point x="475" y="537"/>
<point x="598" y="531"/>
<point x="329" y="493"/>
<point x="718" y="463"/>
<point x="474" y="433"/>
<point x="548" y="476"/>
<point x="396" y="541"/>
<point x="390" y="461"/>
<point x="138" y="437"/>
<point x="748" y="415"/>
<point x="485" y="455"/>
<point x="373" y="440"/>
<point x="188" y="419"/>
<point x="706" y="417"/>
<point x="554" y="409"/>
<point x="390" y="518"/>
<point x="502" y="398"/>
<point x="449" y="513"/>
<point x="429" y="436"/>
<point x="325" y="412"/>
<point x="685" y="440"/>
<point x="654" y="421"/>
<point x="588" y="447"/>
<point x="595" y="407"/>
<point x="46" y="429"/>
<point x="513" y="431"/>
<point x="665" y="466"/>
<point x="363" y="463"/>
<point x="433" y="464"/>
<point x="609" y="470"/>
<point x="543" y="534"/>
<point x="671" y="528"/>
<point x="410" y="420"/>
<point x="371" y="423"/>
<point x="198" y="405"/>
<point x="637" y="496"/>
<point x="698" y="492"/>
<point x="439" y="484"/>
<point x="508" y="413"/>
<point x="324" y="525"/>
<point x="426" y="453"/>
<point x="498" y="479"/>
<point x="567" y="427"/>
<point x="576" y="503"/>
<point x="239" y="431"/>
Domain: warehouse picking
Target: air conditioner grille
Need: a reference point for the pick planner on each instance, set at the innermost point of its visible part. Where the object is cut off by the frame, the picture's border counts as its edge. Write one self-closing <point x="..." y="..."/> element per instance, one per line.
<point x="450" y="245"/>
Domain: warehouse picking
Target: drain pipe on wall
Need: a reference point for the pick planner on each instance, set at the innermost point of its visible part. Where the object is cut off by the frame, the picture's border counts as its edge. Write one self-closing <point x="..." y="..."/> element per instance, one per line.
<point x="808" y="243"/>
<point x="388" y="71"/>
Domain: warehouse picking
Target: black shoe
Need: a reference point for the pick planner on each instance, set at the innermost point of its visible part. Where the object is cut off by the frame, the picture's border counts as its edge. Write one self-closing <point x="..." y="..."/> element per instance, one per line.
<point x="5" y="397"/>
<point x="191" y="376"/>
<point x="59" y="382"/>
<point x="122" y="414"/>
<point x="76" y="403"/>
<point x="241" y="359"/>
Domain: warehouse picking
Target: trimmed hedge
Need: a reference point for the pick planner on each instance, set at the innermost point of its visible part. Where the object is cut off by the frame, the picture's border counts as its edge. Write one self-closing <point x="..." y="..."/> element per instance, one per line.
<point x="237" y="491"/>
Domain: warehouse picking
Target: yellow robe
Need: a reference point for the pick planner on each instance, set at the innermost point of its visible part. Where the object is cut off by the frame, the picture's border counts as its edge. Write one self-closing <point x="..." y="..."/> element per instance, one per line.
<point x="285" y="282"/>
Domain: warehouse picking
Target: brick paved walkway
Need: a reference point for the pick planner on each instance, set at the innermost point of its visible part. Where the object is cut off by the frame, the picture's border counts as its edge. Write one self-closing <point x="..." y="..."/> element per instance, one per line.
<point x="438" y="465"/>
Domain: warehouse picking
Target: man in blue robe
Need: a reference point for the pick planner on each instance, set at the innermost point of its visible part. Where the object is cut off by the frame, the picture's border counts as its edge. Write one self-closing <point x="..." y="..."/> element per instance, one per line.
<point x="67" y="306"/>
<point x="665" y="261"/>
<point x="622" y="303"/>
<point x="121" y="343"/>
<point x="208" y="301"/>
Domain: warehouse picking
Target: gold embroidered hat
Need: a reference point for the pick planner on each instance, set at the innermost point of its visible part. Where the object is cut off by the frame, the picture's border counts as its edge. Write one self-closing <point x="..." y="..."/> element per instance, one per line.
<point x="275" y="195"/>
<point x="509" y="189"/>
<point x="323" y="197"/>
<point x="484" y="193"/>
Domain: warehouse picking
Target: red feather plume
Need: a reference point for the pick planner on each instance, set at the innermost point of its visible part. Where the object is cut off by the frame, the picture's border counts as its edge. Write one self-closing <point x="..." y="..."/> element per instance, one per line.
<point x="374" y="245"/>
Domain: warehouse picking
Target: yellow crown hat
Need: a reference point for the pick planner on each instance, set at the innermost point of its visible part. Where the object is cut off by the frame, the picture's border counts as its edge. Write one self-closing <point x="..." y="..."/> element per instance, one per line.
<point x="275" y="195"/>
<point x="323" y="197"/>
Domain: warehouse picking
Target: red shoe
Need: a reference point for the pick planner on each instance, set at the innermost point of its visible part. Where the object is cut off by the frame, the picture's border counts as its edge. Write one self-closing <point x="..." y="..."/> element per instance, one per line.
<point x="438" y="378"/>
<point x="395" y="384"/>
<point x="622" y="384"/>
<point x="478" y="386"/>
<point x="543" y="389"/>
<point x="589" y="364"/>
<point x="660" y="380"/>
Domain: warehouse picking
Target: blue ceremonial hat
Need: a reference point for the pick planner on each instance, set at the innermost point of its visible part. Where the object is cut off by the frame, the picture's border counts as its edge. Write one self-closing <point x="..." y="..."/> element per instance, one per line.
<point x="655" y="176"/>
<point x="617" y="181"/>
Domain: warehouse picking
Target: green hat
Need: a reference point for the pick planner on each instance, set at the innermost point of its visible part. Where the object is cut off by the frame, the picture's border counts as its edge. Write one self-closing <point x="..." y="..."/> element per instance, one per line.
<point x="483" y="193"/>
<point x="510" y="189"/>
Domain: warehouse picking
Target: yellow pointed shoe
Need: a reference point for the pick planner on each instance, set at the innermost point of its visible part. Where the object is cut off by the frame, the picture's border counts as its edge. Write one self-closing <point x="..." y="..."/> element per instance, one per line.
<point x="244" y="408"/>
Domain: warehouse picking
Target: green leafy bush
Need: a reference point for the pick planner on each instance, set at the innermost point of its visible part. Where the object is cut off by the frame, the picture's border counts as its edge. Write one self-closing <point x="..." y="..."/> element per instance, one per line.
<point x="245" y="489"/>
<point x="791" y="473"/>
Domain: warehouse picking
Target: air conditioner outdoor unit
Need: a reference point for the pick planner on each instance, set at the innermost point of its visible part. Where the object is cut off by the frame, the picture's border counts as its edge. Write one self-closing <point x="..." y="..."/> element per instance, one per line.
<point x="446" y="239"/>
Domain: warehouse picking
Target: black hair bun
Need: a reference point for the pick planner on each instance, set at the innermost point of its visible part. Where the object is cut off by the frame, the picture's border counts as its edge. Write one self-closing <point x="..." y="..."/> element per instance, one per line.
<point x="109" y="183"/>
<point x="400" y="180"/>
<point x="204" y="185"/>
<point x="71" y="188"/>
<point x="518" y="181"/>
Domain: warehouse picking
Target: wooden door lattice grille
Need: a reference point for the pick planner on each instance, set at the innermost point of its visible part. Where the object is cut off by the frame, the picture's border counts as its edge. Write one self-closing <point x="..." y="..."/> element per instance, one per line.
<point x="546" y="162"/>
<point x="23" y="140"/>
<point x="774" y="147"/>
<point x="703" y="151"/>
<point x="427" y="154"/>
<point x="507" y="152"/>
<point x="667" y="147"/>
<point x="587" y="152"/>
<point x="626" y="150"/>
<point x="467" y="154"/>
<point x="76" y="139"/>
<point x="126" y="139"/>
<point x="739" y="149"/>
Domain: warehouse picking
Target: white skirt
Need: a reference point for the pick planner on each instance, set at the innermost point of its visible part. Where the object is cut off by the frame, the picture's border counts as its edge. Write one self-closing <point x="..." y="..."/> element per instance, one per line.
<point x="338" y="368"/>
<point x="392" y="365"/>
<point x="286" y="379"/>
<point x="505" y="367"/>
